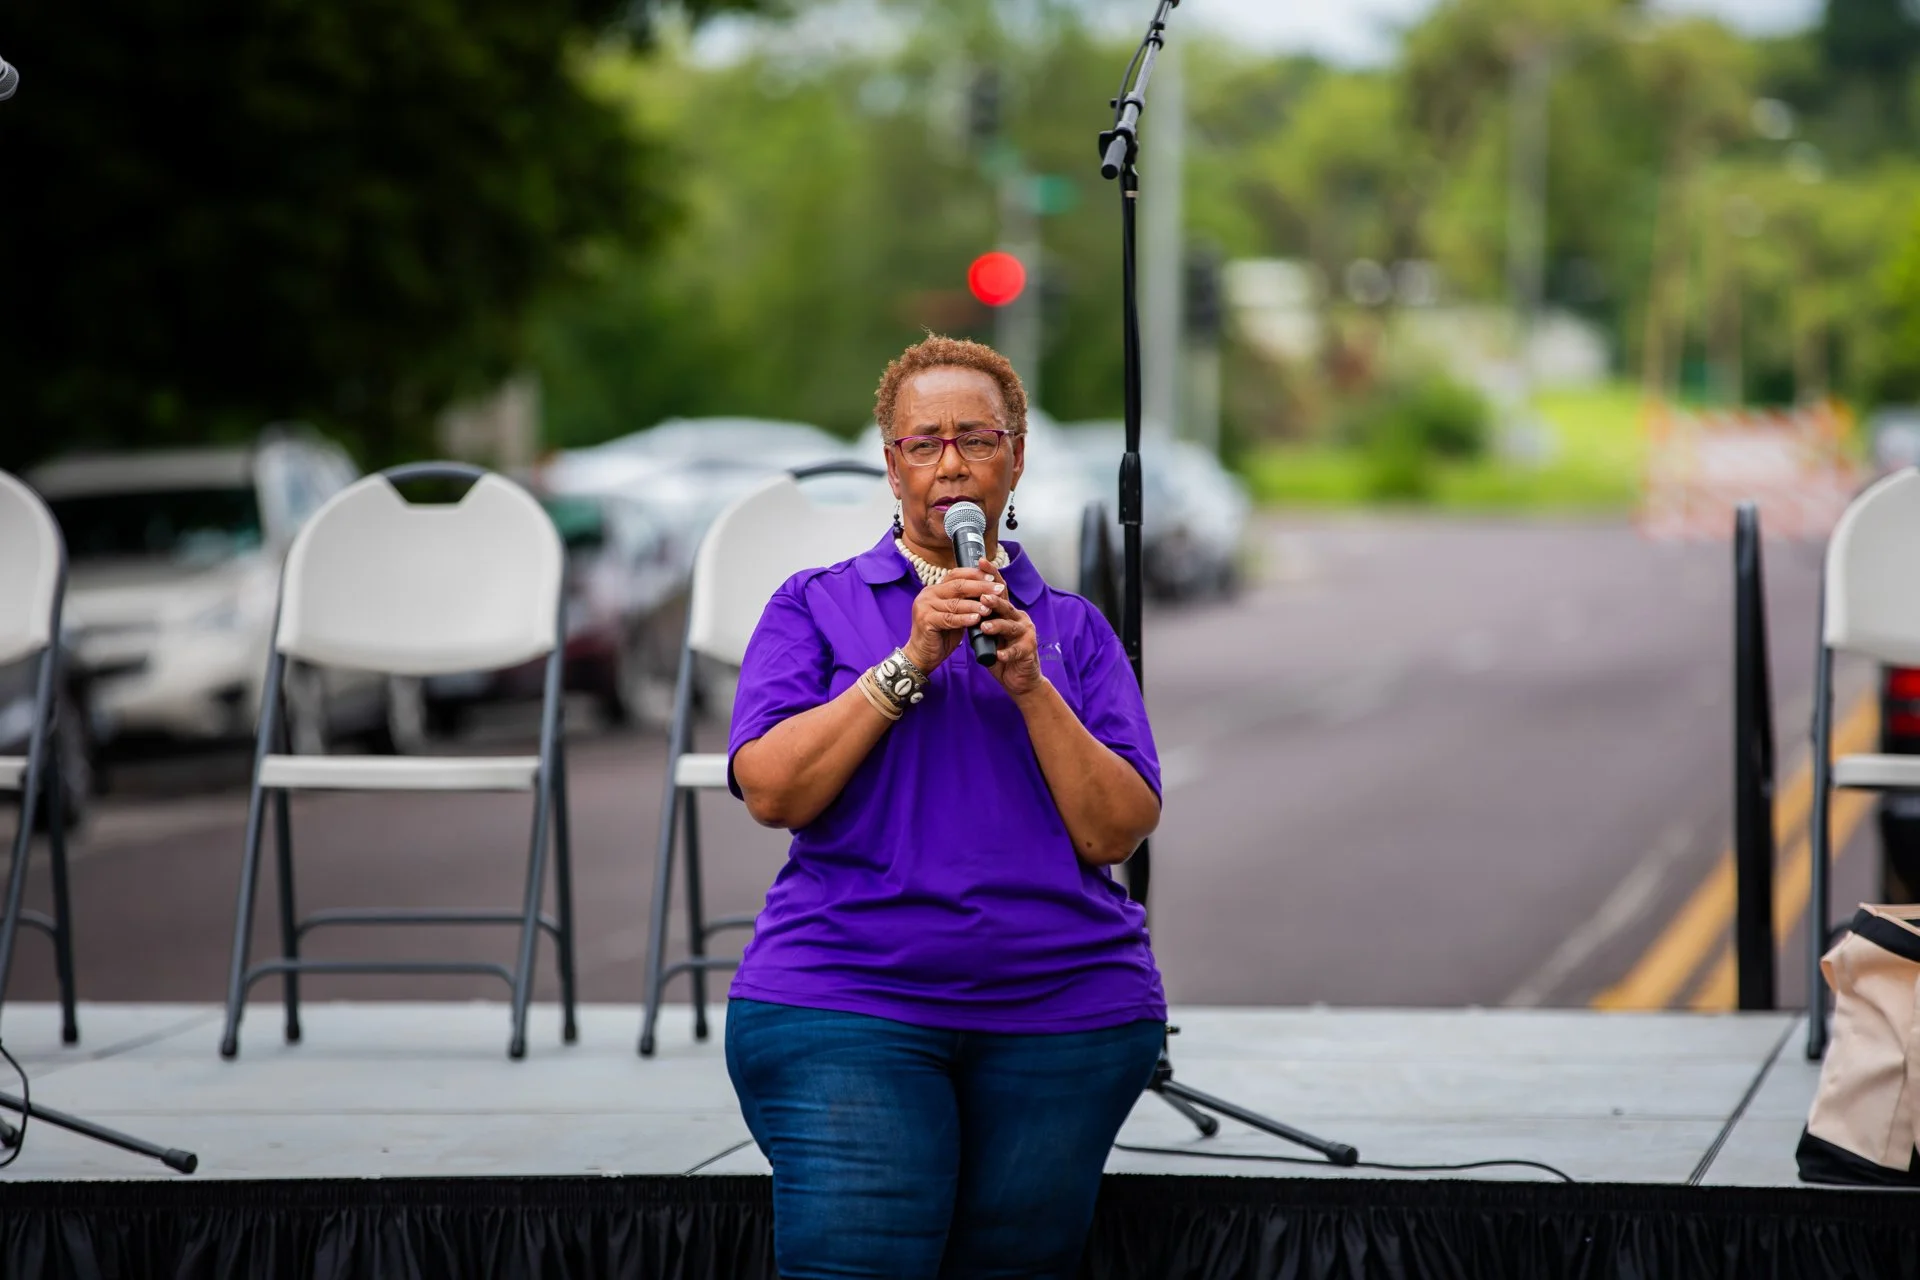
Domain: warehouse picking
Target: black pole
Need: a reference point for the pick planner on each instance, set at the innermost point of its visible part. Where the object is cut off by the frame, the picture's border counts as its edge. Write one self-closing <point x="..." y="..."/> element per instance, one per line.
<point x="1819" y="843"/>
<point x="1753" y="767"/>
<point x="1119" y="150"/>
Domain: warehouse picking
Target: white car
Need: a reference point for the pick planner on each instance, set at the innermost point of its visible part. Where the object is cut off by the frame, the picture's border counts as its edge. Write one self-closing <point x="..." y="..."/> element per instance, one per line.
<point x="686" y="470"/>
<point x="1195" y="513"/>
<point x="1050" y="502"/>
<point x="174" y="568"/>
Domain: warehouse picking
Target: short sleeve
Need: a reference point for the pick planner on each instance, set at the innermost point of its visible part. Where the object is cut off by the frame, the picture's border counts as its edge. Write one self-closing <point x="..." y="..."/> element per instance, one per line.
<point x="1111" y="706"/>
<point x="787" y="669"/>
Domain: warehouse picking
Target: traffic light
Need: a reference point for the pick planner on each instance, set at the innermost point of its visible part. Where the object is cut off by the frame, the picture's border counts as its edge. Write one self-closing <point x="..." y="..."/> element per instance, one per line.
<point x="996" y="278"/>
<point x="1206" y="308"/>
<point x="983" y="109"/>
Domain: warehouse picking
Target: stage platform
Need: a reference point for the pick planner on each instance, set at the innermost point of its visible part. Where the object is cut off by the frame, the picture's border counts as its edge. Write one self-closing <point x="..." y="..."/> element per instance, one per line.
<point x="398" y="1135"/>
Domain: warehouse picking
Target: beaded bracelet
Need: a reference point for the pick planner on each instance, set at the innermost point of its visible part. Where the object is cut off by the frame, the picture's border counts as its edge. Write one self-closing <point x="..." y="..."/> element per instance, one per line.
<point x="879" y="701"/>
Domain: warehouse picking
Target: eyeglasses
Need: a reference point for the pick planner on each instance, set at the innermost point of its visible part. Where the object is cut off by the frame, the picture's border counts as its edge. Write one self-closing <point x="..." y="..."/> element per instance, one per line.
<point x="975" y="446"/>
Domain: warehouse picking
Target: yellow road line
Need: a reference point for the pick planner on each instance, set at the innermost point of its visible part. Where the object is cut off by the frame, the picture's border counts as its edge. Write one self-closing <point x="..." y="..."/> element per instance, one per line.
<point x="1792" y="886"/>
<point x="1677" y="954"/>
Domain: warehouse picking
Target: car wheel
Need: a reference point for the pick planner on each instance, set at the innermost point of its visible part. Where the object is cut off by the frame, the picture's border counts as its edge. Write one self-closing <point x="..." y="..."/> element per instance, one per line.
<point x="406" y="729"/>
<point x="447" y="718"/>
<point x="636" y="694"/>
<point x="76" y="760"/>
<point x="306" y="709"/>
<point x="74" y="741"/>
<point x="1227" y="581"/>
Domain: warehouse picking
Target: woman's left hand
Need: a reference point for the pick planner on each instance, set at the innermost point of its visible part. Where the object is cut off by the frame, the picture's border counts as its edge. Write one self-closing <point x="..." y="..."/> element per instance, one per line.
<point x="1018" y="667"/>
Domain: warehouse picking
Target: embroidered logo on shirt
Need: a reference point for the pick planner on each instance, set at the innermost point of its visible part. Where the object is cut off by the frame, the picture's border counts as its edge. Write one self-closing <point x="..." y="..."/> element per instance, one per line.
<point x="1050" y="651"/>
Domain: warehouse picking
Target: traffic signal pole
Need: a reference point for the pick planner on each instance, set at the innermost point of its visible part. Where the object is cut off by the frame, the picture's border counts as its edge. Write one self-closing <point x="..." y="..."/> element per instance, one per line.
<point x="1016" y="326"/>
<point x="1162" y="253"/>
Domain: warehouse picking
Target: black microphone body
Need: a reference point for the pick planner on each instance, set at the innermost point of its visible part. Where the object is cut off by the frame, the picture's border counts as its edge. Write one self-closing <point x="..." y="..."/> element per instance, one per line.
<point x="967" y="526"/>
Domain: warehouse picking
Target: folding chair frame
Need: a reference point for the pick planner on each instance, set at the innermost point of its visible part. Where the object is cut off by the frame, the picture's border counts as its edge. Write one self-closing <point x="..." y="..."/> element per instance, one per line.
<point x="680" y="808"/>
<point x="1822" y="931"/>
<point x="549" y="812"/>
<point x="43" y="776"/>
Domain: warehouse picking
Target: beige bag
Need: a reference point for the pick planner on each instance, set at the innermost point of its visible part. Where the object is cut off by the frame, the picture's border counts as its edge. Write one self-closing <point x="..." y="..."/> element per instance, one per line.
<point x="1865" y="1123"/>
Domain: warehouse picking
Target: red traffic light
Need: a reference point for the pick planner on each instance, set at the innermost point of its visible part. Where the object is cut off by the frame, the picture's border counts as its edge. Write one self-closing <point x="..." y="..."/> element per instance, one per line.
<point x="996" y="278"/>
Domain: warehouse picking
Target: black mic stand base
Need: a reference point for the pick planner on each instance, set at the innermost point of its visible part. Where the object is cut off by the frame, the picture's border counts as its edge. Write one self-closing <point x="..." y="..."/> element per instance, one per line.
<point x="1188" y="1101"/>
<point x="173" y="1158"/>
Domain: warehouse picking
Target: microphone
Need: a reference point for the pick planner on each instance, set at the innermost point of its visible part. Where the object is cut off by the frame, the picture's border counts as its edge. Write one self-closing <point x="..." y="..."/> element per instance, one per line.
<point x="9" y="80"/>
<point x="967" y="526"/>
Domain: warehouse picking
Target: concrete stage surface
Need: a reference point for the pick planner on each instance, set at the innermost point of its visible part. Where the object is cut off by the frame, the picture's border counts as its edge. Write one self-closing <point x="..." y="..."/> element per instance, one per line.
<point x="419" y="1090"/>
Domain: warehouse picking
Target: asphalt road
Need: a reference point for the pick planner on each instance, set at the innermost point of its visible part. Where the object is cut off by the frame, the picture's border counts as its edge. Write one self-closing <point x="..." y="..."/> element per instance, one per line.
<point x="1416" y="763"/>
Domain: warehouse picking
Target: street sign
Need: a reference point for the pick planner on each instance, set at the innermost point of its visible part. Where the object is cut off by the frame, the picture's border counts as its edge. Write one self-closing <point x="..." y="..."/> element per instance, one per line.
<point x="1051" y="193"/>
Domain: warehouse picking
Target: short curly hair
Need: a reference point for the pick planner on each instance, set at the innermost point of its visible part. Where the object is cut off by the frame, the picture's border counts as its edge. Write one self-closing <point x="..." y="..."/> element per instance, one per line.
<point x="937" y="352"/>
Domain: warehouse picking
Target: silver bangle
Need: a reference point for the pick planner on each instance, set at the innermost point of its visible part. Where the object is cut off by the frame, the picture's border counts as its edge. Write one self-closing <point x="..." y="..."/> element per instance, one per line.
<point x="899" y="679"/>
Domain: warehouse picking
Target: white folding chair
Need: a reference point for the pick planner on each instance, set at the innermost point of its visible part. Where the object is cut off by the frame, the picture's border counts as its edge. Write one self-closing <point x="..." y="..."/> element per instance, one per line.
<point x="376" y="583"/>
<point x="756" y="544"/>
<point x="33" y="585"/>
<point x="1869" y="605"/>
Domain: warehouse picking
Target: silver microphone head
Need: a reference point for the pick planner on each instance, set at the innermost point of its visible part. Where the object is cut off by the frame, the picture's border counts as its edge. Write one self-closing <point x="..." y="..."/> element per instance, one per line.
<point x="9" y="80"/>
<point x="966" y="516"/>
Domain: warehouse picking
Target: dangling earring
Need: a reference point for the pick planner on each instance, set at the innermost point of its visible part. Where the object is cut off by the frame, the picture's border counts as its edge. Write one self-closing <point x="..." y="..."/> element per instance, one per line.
<point x="1013" y="521"/>
<point x="899" y="530"/>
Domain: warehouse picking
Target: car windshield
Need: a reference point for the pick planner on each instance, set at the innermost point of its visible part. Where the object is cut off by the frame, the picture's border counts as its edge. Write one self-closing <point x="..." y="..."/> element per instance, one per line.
<point x="193" y="525"/>
<point x="735" y="442"/>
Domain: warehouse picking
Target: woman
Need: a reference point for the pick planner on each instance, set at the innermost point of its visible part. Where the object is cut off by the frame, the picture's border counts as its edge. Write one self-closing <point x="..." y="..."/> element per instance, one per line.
<point x="948" y="1006"/>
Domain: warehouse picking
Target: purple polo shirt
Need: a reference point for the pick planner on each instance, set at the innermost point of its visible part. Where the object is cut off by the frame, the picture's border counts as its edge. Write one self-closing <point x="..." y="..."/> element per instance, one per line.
<point x="917" y="895"/>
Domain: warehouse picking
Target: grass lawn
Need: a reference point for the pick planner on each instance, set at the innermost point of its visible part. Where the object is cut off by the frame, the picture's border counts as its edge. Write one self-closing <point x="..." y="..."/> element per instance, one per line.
<point x="1593" y="466"/>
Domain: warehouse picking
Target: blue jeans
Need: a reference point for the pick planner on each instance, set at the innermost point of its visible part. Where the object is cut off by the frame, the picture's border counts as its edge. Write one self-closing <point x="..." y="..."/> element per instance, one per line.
<point x="908" y="1153"/>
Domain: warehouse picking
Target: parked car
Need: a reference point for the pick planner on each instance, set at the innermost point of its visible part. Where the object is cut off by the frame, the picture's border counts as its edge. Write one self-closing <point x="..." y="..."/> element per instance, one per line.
<point x="1049" y="501"/>
<point x="1894" y="433"/>
<point x="73" y="713"/>
<point x="174" y="563"/>
<point x="1194" y="511"/>
<point x="686" y="470"/>
<point x="626" y="607"/>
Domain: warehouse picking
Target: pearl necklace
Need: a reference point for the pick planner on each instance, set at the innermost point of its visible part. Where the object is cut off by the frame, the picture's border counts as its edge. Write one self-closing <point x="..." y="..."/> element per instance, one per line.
<point x="932" y="575"/>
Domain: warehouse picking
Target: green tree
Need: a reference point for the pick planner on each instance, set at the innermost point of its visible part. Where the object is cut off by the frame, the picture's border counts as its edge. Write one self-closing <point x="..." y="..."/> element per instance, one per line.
<point x="832" y="207"/>
<point x="221" y="212"/>
<point x="1877" y="38"/>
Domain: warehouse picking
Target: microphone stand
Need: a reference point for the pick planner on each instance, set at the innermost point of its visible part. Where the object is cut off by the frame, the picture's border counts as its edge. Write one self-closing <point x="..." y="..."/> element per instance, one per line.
<point x="1119" y="149"/>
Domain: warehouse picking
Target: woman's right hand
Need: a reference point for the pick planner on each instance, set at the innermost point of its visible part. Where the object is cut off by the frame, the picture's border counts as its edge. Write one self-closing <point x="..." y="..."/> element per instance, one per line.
<point x="943" y="612"/>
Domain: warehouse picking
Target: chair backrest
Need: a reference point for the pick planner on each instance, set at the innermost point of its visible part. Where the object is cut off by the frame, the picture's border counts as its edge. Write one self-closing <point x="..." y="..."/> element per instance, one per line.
<point x="30" y="556"/>
<point x="765" y="537"/>
<point x="1873" y="573"/>
<point x="375" y="582"/>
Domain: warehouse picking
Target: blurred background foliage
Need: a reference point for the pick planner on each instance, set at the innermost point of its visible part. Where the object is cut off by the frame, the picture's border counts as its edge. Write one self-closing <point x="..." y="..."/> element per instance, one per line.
<point x="219" y="213"/>
<point x="358" y="212"/>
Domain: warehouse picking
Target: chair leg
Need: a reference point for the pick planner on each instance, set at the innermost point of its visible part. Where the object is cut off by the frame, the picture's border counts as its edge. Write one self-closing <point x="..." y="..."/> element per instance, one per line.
<point x="657" y="917"/>
<point x="563" y="888"/>
<point x="16" y="890"/>
<point x="696" y="917"/>
<point x="289" y="919"/>
<point x="530" y="917"/>
<point x="243" y="923"/>
<point x="62" y="902"/>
